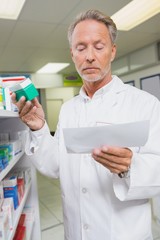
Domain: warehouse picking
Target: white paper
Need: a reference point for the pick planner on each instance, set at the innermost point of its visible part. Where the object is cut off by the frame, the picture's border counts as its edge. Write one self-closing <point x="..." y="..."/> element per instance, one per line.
<point x="84" y="140"/>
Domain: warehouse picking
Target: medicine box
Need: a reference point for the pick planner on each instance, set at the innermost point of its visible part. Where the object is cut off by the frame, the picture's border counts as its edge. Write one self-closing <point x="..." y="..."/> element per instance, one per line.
<point x="16" y="146"/>
<point x="4" y="226"/>
<point x="20" y="233"/>
<point x="9" y="148"/>
<point x="8" y="208"/>
<point x="1" y="202"/>
<point x="4" y="158"/>
<point x="26" y="89"/>
<point x="1" y="191"/>
<point x="11" y="189"/>
<point x="20" y="185"/>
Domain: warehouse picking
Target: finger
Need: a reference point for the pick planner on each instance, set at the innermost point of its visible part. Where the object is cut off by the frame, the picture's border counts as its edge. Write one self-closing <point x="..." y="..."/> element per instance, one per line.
<point x="13" y="97"/>
<point x="113" y="166"/>
<point x="24" y="108"/>
<point x="107" y="155"/>
<point x="36" y="103"/>
<point x="117" y="151"/>
<point x="20" y="103"/>
<point x="109" y="160"/>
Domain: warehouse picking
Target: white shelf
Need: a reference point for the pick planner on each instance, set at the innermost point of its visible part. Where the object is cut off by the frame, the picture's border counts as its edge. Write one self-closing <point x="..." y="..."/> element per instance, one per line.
<point x="6" y="114"/>
<point x="11" y="123"/>
<point x="18" y="211"/>
<point x="10" y="165"/>
<point x="29" y="228"/>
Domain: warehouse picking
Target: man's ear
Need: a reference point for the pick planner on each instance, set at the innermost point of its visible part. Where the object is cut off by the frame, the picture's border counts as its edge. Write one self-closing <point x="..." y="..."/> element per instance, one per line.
<point x="114" y="50"/>
<point x="71" y="51"/>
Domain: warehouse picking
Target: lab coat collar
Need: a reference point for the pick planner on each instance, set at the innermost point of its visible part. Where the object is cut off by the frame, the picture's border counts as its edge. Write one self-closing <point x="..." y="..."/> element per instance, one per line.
<point x="115" y="85"/>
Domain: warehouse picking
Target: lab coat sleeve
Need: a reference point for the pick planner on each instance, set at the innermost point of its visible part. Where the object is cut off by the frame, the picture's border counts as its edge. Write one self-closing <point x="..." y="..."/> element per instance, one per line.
<point x="144" y="180"/>
<point x="42" y="149"/>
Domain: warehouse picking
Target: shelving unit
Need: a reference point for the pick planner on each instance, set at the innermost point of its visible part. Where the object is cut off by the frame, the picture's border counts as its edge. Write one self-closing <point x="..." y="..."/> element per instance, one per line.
<point x="11" y="164"/>
<point x="10" y="122"/>
<point x="19" y="211"/>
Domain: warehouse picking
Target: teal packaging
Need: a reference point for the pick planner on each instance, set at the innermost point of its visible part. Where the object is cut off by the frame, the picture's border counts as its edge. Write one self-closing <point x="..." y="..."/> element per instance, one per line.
<point x="26" y="89"/>
<point x="3" y="158"/>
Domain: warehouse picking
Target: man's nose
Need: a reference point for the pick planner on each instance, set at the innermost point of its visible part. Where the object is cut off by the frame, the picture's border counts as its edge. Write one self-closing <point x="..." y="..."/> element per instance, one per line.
<point x="90" y="55"/>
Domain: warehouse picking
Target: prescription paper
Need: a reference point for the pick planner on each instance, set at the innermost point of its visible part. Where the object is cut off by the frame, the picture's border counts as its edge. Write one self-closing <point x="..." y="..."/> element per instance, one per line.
<point x="85" y="139"/>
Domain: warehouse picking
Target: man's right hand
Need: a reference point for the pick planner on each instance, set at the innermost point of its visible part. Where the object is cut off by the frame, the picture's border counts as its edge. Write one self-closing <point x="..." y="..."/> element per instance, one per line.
<point x="30" y="112"/>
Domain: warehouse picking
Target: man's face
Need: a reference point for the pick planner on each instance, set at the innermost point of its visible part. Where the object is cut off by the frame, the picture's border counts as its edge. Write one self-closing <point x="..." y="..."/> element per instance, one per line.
<point x="92" y="50"/>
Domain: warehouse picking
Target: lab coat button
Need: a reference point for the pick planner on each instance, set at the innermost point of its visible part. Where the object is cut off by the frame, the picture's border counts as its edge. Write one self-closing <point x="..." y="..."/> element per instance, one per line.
<point x="84" y="190"/>
<point x="85" y="226"/>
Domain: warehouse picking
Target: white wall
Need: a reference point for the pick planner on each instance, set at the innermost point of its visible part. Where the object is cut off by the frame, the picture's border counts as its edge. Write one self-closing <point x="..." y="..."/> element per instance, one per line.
<point x="55" y="97"/>
<point x="138" y="64"/>
<point x="64" y="93"/>
<point x="140" y="74"/>
<point x="47" y="80"/>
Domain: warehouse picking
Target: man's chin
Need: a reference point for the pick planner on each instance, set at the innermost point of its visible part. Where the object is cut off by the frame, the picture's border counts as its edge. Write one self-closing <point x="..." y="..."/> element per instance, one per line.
<point x="91" y="79"/>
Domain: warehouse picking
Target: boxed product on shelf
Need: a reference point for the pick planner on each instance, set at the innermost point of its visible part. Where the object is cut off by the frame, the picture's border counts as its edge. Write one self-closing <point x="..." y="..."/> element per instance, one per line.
<point x="16" y="146"/>
<point x="27" y="175"/>
<point x="1" y="191"/>
<point x="4" y="226"/>
<point x="4" y="138"/>
<point x="1" y="202"/>
<point x="29" y="220"/>
<point x="25" y="172"/>
<point x="22" y="220"/>
<point x="7" y="103"/>
<point x="1" y="98"/>
<point x="17" y="139"/>
<point x="4" y="158"/>
<point x="25" y="88"/>
<point x="11" y="189"/>
<point x="1" y="164"/>
<point x="20" y="233"/>
<point x="9" y="148"/>
<point x="20" y="184"/>
<point x="8" y="208"/>
<point x="29" y="213"/>
<point x="7" y="82"/>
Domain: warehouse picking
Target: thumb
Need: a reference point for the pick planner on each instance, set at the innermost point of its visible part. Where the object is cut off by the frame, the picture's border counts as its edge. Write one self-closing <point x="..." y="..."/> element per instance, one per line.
<point x="36" y="102"/>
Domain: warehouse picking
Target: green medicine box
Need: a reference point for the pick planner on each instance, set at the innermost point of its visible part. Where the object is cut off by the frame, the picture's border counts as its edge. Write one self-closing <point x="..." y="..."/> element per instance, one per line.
<point x="26" y="89"/>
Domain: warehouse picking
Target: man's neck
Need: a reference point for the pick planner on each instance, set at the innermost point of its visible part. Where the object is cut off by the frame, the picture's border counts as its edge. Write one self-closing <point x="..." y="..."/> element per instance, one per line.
<point x="91" y="87"/>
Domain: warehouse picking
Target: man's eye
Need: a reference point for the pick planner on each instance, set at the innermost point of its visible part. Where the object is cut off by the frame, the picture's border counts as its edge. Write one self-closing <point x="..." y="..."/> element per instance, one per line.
<point x="80" y="48"/>
<point x="99" y="47"/>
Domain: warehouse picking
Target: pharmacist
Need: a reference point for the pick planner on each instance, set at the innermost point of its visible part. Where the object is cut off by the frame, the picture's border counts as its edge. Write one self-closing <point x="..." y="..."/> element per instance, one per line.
<point x="105" y="194"/>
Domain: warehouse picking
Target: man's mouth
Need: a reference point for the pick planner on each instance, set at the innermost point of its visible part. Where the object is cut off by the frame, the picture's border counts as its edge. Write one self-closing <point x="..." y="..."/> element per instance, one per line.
<point x="90" y="69"/>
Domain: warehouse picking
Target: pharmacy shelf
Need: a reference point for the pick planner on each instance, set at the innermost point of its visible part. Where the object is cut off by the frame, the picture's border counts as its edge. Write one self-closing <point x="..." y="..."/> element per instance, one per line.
<point x="11" y="123"/>
<point x="11" y="164"/>
<point x="29" y="227"/>
<point x="6" y="114"/>
<point x="19" y="210"/>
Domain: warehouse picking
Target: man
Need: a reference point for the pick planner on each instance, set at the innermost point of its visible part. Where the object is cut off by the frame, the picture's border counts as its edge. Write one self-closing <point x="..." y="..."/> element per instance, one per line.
<point x="105" y="194"/>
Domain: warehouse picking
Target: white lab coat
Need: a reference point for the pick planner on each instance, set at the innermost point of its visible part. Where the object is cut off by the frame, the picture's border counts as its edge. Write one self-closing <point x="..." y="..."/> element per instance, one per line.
<point x="98" y="205"/>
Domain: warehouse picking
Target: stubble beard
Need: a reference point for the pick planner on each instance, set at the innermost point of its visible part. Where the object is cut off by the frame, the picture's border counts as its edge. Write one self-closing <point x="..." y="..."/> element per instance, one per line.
<point x="98" y="77"/>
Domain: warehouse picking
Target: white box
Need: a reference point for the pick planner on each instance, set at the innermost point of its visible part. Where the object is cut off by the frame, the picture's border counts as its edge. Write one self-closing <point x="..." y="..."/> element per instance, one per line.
<point x="8" y="208"/>
<point x="1" y="202"/>
<point x="1" y="191"/>
<point x="4" y="226"/>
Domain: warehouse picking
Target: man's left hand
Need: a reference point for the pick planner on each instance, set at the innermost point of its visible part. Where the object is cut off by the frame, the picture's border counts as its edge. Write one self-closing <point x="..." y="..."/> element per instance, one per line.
<point x="116" y="159"/>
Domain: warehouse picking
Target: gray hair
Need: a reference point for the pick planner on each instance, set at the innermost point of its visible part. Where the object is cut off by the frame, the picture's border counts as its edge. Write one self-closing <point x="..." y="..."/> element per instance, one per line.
<point x="94" y="15"/>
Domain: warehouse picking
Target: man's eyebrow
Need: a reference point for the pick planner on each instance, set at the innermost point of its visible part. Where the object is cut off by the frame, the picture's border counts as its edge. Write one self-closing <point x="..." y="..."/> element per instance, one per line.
<point x="83" y="43"/>
<point x="80" y="43"/>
